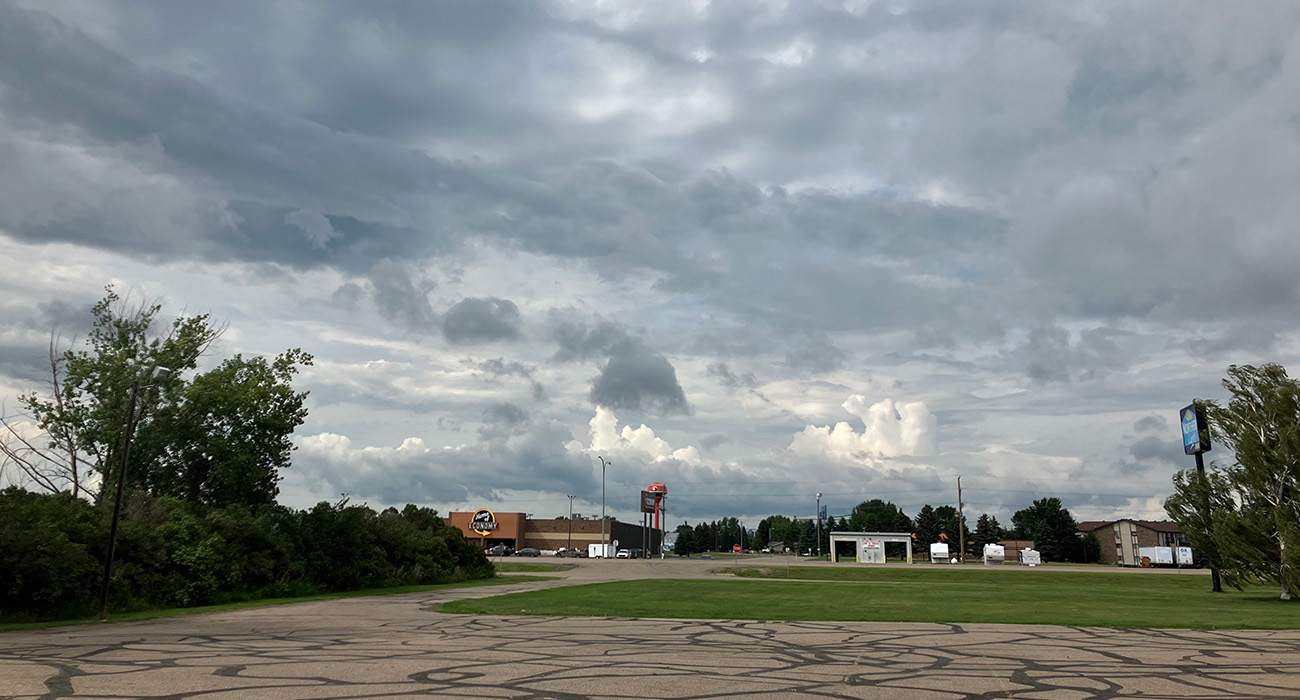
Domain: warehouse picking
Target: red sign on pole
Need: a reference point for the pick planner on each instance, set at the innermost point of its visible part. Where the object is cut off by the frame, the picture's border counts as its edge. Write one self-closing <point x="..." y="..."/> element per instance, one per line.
<point x="735" y="548"/>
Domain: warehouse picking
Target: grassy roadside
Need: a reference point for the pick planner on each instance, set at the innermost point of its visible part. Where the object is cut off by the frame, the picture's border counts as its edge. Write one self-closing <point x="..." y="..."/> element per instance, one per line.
<point x="909" y="595"/>
<point x="265" y="602"/>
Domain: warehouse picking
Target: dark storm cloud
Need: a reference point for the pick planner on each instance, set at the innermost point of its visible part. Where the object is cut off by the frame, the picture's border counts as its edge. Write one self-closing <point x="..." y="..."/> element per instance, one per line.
<point x="1050" y="354"/>
<point x="730" y="379"/>
<point x="633" y="376"/>
<point x="474" y="320"/>
<point x="400" y="299"/>
<point x="636" y="377"/>
<point x="1150" y="424"/>
<point x="578" y="341"/>
<point x="503" y="420"/>
<point x="499" y="366"/>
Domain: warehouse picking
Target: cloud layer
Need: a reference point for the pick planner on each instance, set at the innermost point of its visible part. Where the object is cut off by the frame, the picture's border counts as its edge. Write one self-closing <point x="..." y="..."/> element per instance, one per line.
<point x="1015" y="236"/>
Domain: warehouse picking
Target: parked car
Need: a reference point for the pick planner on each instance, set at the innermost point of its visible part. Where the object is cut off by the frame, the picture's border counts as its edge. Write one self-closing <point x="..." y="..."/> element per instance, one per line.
<point x="568" y="552"/>
<point x="528" y="552"/>
<point x="501" y="550"/>
<point x="623" y="554"/>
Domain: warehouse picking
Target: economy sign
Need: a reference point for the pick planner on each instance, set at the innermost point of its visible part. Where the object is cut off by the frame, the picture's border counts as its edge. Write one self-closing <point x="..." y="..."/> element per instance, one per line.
<point x="484" y="522"/>
<point x="1194" y="429"/>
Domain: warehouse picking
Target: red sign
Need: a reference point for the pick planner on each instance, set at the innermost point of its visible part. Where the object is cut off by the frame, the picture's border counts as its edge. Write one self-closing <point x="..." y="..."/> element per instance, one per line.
<point x="735" y="548"/>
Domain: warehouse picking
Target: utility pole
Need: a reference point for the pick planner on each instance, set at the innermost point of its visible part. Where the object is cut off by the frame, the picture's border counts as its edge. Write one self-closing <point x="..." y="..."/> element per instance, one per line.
<point x="819" y="524"/>
<point x="571" y="521"/>
<point x="961" y="526"/>
<point x="604" y="548"/>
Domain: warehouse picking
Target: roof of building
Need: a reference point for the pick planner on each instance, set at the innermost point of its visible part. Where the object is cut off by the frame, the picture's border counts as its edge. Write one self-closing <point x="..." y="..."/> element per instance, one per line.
<point x="1157" y="525"/>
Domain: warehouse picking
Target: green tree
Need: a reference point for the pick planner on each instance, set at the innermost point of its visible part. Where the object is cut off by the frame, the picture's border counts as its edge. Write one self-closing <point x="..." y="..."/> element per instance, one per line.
<point x="1053" y="530"/>
<point x="808" y="536"/>
<point x="926" y="527"/>
<point x="219" y="438"/>
<point x="686" y="544"/>
<point x="85" y="412"/>
<point x="876" y="516"/>
<point x="951" y="525"/>
<point x="762" y="534"/>
<point x="987" y="531"/>
<point x="782" y="530"/>
<point x="1261" y="426"/>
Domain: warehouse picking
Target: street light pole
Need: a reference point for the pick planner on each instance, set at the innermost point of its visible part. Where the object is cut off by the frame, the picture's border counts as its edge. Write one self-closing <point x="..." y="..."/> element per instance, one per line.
<point x="158" y="375"/>
<point x="819" y="524"/>
<point x="571" y="521"/>
<point x="604" y="548"/>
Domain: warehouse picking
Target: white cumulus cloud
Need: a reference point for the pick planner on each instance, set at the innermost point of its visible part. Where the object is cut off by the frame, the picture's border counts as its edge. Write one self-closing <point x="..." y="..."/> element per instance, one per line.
<point x="890" y="429"/>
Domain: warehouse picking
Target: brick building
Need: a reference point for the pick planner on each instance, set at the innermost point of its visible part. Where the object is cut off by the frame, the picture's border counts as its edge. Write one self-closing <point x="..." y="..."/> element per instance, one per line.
<point x="1120" y="539"/>
<point x="519" y="531"/>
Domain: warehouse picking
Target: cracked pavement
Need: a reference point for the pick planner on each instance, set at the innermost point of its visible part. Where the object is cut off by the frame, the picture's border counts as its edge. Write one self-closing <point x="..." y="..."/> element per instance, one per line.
<point x="394" y="646"/>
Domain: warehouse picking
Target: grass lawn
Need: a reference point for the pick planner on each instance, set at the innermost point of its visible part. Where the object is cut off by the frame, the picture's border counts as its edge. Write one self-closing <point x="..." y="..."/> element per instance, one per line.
<point x="176" y="612"/>
<point x="513" y="566"/>
<point x="1037" y="596"/>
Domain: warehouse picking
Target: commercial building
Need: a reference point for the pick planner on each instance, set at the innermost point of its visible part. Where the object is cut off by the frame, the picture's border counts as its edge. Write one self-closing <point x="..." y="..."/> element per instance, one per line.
<point x="517" y="530"/>
<point x="1121" y="539"/>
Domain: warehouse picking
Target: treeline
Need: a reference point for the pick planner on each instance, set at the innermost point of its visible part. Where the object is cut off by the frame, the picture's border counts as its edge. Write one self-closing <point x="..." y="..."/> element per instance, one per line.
<point x="198" y="456"/>
<point x="1051" y="527"/>
<point x="173" y="553"/>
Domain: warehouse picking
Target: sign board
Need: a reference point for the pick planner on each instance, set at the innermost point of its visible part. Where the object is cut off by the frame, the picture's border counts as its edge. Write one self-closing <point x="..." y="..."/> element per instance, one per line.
<point x="648" y="501"/>
<point x="735" y="548"/>
<point x="1195" y="432"/>
<point x="484" y="522"/>
<point x="1185" y="556"/>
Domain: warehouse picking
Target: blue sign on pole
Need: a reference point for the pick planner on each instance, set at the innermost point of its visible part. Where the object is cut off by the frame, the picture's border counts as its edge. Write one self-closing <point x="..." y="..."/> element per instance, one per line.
<point x="1194" y="429"/>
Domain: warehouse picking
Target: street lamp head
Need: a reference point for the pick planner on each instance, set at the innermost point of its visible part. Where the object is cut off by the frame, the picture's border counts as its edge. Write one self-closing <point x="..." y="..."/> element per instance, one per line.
<point x="819" y="495"/>
<point x="159" y="375"/>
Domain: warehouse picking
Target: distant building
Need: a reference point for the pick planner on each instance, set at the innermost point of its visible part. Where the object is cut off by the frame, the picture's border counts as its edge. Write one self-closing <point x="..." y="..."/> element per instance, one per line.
<point x="1120" y="539"/>
<point x="517" y="530"/>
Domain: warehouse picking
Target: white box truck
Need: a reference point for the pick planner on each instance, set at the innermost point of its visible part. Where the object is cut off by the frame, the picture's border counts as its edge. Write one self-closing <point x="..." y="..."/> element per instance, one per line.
<point x="1157" y="556"/>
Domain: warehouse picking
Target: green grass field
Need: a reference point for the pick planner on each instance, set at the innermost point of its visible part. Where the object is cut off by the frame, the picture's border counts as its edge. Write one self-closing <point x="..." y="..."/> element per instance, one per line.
<point x="177" y="612"/>
<point x="1034" y="596"/>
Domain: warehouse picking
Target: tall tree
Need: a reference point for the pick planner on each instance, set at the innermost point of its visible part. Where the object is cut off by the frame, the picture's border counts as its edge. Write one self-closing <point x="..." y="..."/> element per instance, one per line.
<point x="686" y="541"/>
<point x="987" y="531"/>
<point x="952" y="526"/>
<point x="808" y="536"/>
<point x="1261" y="426"/>
<point x="762" y="534"/>
<point x="1053" y="530"/>
<point x="875" y="516"/>
<point x="219" y="438"/>
<point x="926" y="527"/>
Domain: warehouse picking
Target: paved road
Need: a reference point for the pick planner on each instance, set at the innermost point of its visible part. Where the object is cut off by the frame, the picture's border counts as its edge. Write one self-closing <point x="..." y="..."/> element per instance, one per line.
<point x="392" y="647"/>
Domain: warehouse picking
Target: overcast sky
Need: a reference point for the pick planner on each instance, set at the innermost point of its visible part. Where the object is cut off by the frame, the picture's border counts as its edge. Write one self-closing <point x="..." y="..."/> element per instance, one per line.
<point x="751" y="250"/>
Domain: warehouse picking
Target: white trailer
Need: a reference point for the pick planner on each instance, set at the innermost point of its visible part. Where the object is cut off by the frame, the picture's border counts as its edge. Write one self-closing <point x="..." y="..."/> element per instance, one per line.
<point x="994" y="554"/>
<point x="1157" y="556"/>
<point x="600" y="551"/>
<point x="939" y="553"/>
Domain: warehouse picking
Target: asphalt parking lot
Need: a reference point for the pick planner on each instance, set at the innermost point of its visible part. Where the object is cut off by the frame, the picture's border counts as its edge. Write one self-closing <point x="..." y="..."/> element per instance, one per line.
<point x="393" y="646"/>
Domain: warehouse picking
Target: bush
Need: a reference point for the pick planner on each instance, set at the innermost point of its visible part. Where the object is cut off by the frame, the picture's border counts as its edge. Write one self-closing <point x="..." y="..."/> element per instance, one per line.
<point x="51" y="554"/>
<point x="174" y="553"/>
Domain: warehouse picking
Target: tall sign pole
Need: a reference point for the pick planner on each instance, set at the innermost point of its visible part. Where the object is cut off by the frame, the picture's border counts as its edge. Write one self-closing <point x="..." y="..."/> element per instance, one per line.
<point x="604" y="548"/>
<point x="570" y="546"/>
<point x="961" y="526"/>
<point x="1196" y="441"/>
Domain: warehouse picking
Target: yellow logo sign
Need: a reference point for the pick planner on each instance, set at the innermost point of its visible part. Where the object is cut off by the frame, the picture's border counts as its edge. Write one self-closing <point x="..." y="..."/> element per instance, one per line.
<point x="484" y="522"/>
